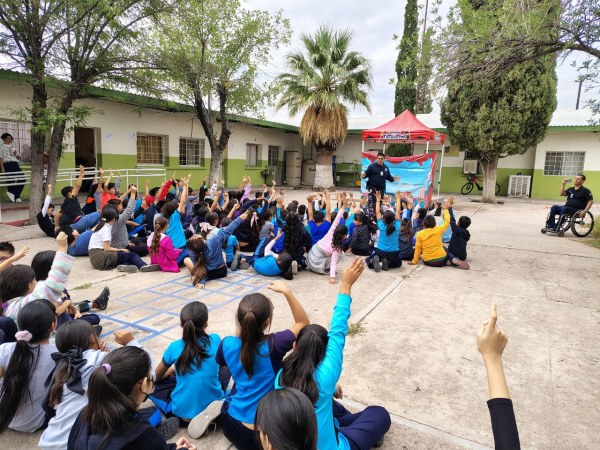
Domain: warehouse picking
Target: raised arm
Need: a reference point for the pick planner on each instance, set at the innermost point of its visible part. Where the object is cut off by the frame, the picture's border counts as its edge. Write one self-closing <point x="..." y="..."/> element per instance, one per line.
<point x="309" y="207"/>
<point x="105" y="185"/>
<point x="327" y="206"/>
<point x="562" y="188"/>
<point x="300" y="317"/>
<point x="78" y="182"/>
<point x="233" y="210"/>
<point x="184" y="196"/>
<point x="378" y="205"/>
<point x="47" y="200"/>
<point x="398" y="206"/>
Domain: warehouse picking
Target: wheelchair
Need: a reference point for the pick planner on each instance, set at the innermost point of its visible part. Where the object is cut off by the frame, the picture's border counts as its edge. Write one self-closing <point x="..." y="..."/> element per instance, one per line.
<point x="580" y="227"/>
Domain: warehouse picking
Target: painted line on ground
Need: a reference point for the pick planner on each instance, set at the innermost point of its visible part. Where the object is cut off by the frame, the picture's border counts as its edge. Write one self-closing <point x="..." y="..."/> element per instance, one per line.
<point x="423" y="428"/>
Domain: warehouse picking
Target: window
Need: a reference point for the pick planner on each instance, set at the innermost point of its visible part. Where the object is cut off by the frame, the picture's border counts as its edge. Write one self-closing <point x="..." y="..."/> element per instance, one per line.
<point x="253" y="155"/>
<point x="470" y="155"/>
<point x="564" y="163"/>
<point x="273" y="155"/>
<point x="21" y="133"/>
<point x="151" y="148"/>
<point x="191" y="152"/>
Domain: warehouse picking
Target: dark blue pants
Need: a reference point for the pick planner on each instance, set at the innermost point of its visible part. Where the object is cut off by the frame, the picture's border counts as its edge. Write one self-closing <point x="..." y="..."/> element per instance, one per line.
<point x="393" y="258"/>
<point x="128" y="258"/>
<point x="259" y="252"/>
<point x="93" y="319"/>
<point x="363" y="429"/>
<point x="558" y="210"/>
<point x="16" y="186"/>
<point x="8" y="329"/>
<point x="241" y="437"/>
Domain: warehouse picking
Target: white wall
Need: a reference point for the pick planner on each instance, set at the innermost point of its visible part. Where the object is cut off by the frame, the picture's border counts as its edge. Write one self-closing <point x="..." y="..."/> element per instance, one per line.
<point x="565" y="141"/>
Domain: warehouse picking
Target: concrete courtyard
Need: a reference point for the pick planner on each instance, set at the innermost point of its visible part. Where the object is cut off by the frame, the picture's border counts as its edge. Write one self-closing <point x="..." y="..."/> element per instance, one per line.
<point x="412" y="347"/>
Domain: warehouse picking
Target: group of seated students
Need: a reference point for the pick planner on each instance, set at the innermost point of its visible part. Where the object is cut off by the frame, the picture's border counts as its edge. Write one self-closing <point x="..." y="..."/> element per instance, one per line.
<point x="266" y="390"/>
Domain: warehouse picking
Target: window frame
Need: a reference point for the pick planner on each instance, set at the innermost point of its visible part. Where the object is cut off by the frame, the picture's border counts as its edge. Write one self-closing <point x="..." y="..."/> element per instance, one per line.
<point x="564" y="163"/>
<point x="201" y="151"/>
<point x="164" y="147"/>
<point x="270" y="162"/>
<point x="258" y="154"/>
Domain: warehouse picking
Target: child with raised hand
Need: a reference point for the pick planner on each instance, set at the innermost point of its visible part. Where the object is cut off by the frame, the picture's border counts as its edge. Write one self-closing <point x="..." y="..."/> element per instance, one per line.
<point x="285" y="419"/>
<point x="386" y="254"/>
<point x="111" y="418"/>
<point x="161" y="249"/>
<point x="8" y="256"/>
<point x="24" y="366"/>
<point x="205" y="261"/>
<point x="318" y="223"/>
<point x="491" y="342"/>
<point x="314" y="368"/>
<point x="429" y="243"/>
<point x="194" y="393"/>
<point x="324" y="255"/>
<point x="70" y="213"/>
<point x="266" y="262"/>
<point x="253" y="359"/>
<point x="45" y="218"/>
<point x="18" y="286"/>
<point x="460" y="236"/>
<point x="79" y="353"/>
<point x="231" y="246"/>
<point x="172" y="211"/>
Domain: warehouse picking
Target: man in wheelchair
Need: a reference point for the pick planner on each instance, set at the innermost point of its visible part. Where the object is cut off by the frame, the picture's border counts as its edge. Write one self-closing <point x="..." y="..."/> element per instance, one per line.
<point x="579" y="198"/>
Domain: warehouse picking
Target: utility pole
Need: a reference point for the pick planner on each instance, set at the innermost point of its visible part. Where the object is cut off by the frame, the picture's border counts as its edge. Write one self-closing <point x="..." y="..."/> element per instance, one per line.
<point x="579" y="80"/>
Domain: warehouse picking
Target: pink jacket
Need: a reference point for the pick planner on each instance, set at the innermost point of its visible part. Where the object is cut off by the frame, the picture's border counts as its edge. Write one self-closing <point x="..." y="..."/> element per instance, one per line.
<point x="167" y="255"/>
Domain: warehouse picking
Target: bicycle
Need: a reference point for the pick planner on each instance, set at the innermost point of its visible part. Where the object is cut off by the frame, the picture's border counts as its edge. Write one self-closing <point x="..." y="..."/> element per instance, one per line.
<point x="472" y="180"/>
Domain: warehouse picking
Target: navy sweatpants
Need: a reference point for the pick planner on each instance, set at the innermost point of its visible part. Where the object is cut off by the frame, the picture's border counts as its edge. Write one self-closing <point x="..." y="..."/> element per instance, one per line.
<point x="363" y="429"/>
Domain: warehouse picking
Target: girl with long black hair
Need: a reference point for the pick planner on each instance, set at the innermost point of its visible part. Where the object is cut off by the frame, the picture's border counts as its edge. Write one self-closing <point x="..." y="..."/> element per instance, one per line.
<point x="194" y="393"/>
<point x="111" y="419"/>
<point x="386" y="254"/>
<point x="297" y="240"/>
<point x="24" y="366"/>
<point x="253" y="358"/>
<point x="314" y="368"/>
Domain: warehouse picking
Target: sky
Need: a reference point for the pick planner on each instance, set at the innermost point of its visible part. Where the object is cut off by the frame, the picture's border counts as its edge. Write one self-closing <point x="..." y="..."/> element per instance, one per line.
<point x="373" y="23"/>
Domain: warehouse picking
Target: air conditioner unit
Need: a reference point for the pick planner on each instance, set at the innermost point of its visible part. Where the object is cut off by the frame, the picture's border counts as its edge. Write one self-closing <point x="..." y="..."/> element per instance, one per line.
<point x="519" y="185"/>
<point x="470" y="166"/>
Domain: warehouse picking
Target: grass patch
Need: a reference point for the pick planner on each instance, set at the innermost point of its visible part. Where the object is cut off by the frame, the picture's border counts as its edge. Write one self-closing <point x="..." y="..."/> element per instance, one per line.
<point x="595" y="236"/>
<point x="356" y="329"/>
<point x="83" y="286"/>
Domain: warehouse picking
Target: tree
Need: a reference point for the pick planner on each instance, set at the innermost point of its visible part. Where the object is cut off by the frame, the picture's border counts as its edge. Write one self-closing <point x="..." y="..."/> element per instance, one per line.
<point x="70" y="44"/>
<point x="407" y="61"/>
<point x="215" y="48"/>
<point x="424" y="103"/>
<point x="321" y="81"/>
<point x="527" y="30"/>
<point x="498" y="116"/>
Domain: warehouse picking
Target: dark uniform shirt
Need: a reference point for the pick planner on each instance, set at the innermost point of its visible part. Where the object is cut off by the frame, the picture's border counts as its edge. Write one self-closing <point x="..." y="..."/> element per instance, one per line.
<point x="377" y="176"/>
<point x="578" y="198"/>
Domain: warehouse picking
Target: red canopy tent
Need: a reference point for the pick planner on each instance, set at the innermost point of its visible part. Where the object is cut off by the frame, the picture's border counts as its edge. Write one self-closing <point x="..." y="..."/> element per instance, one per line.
<point x="406" y="129"/>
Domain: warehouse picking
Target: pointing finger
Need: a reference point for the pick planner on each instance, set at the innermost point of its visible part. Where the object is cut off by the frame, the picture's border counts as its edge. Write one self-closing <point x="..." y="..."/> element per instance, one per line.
<point x="493" y="316"/>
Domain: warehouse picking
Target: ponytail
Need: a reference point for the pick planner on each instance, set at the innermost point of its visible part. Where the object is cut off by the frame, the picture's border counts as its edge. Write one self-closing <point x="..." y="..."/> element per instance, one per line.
<point x="109" y="213"/>
<point x="253" y="313"/>
<point x="300" y="365"/>
<point x="197" y="245"/>
<point x="109" y="407"/>
<point x="35" y="320"/>
<point x="389" y="219"/>
<point x="194" y="317"/>
<point x="160" y="225"/>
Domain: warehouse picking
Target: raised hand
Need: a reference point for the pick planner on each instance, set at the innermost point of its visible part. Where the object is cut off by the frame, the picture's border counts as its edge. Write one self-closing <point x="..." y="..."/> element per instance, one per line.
<point x="49" y="190"/>
<point x="61" y="241"/>
<point x="123" y="337"/>
<point x="21" y="253"/>
<point x="491" y="341"/>
<point x="351" y="274"/>
<point x="279" y="286"/>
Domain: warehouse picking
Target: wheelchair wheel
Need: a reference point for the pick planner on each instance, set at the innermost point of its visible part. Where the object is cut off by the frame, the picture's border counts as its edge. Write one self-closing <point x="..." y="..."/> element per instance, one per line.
<point x="582" y="227"/>
<point x="467" y="188"/>
<point x="544" y="230"/>
<point x="497" y="188"/>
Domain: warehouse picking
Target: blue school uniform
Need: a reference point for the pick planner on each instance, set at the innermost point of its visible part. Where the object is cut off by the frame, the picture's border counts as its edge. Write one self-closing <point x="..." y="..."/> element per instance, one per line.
<point x="175" y="230"/>
<point x="318" y="232"/>
<point x="267" y="265"/>
<point x="268" y="359"/>
<point x="197" y="388"/>
<point x="232" y="243"/>
<point x="388" y="243"/>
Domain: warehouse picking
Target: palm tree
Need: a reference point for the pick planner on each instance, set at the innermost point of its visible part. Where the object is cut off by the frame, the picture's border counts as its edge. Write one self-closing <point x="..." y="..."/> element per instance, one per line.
<point x="320" y="82"/>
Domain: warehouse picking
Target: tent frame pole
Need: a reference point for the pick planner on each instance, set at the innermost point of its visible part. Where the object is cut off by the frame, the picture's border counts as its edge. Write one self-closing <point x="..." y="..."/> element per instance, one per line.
<point x="441" y="166"/>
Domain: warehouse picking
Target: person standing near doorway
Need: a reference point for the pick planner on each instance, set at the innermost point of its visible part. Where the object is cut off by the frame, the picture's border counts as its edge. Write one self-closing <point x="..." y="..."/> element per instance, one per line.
<point x="9" y="164"/>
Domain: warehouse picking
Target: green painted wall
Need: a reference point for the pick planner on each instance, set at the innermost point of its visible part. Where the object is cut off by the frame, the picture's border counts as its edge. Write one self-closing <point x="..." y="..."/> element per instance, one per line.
<point x="453" y="179"/>
<point x="548" y="186"/>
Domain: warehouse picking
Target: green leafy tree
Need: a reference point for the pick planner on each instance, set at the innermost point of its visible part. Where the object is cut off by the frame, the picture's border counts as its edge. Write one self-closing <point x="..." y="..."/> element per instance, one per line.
<point x="424" y="103"/>
<point x="407" y="61"/>
<point x="498" y="116"/>
<point x="214" y="49"/>
<point x="322" y="80"/>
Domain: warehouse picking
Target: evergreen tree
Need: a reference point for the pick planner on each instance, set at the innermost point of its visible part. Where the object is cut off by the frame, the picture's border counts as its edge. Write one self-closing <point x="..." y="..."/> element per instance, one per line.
<point x="424" y="101"/>
<point x="406" y="64"/>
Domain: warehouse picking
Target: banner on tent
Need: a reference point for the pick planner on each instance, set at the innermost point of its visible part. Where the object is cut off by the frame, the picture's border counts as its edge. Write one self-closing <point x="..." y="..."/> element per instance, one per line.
<point x="416" y="175"/>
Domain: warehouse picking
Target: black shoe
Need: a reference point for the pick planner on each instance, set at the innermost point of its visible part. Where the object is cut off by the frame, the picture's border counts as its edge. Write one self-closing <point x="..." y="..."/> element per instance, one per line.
<point x="376" y="265"/>
<point x="97" y="329"/>
<point x="384" y="264"/>
<point x="236" y="261"/>
<point x="379" y="443"/>
<point x="169" y="427"/>
<point x="102" y="300"/>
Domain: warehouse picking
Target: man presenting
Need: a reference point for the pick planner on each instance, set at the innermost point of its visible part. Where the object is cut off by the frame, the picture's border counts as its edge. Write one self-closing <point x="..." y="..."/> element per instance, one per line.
<point x="578" y="198"/>
<point x="377" y="174"/>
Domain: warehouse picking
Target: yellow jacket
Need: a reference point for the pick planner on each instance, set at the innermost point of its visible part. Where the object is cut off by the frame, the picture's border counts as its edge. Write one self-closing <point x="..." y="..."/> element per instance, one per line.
<point x="429" y="241"/>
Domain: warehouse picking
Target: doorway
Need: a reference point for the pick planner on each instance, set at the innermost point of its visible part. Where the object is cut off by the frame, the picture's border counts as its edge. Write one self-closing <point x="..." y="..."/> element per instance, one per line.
<point x="85" y="147"/>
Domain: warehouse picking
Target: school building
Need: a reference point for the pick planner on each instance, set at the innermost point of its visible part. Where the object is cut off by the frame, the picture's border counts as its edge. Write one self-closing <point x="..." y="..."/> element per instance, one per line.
<point x="127" y="131"/>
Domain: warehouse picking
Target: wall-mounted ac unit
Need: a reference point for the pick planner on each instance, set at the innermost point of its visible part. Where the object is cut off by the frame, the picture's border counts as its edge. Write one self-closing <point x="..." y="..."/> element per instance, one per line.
<point x="470" y="166"/>
<point x="519" y="185"/>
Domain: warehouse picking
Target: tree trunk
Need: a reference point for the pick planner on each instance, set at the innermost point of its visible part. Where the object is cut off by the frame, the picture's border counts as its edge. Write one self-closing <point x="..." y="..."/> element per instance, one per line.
<point x="323" y="170"/>
<point x="56" y="142"/>
<point x="38" y="139"/>
<point x="489" y="182"/>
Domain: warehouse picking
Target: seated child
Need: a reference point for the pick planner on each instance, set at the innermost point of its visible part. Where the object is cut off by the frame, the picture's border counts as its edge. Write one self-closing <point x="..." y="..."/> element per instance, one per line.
<point x="265" y="261"/>
<point x="361" y="243"/>
<point x="160" y="246"/>
<point x="405" y="247"/>
<point x="387" y="253"/>
<point x="429" y="243"/>
<point x="319" y="223"/>
<point x="231" y="246"/>
<point x="25" y="366"/>
<point x="460" y="236"/>
<point x="78" y="243"/>
<point x="45" y="217"/>
<point x="195" y="390"/>
<point x="70" y="213"/>
<point x="18" y="286"/>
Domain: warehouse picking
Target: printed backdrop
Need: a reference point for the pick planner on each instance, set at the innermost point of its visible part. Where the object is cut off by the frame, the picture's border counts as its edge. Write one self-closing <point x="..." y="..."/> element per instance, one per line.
<point x="416" y="175"/>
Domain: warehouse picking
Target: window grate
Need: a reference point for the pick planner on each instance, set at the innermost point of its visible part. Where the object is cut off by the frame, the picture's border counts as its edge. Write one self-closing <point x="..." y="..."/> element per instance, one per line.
<point x="273" y="156"/>
<point x="253" y="155"/>
<point x="564" y="163"/>
<point x="191" y="152"/>
<point x="151" y="148"/>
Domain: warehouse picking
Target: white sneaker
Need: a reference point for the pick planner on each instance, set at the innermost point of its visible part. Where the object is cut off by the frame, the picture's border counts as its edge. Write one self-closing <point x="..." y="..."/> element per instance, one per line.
<point x="200" y="423"/>
<point x="11" y="196"/>
<point x="294" y="267"/>
<point x="18" y="200"/>
<point x="127" y="268"/>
